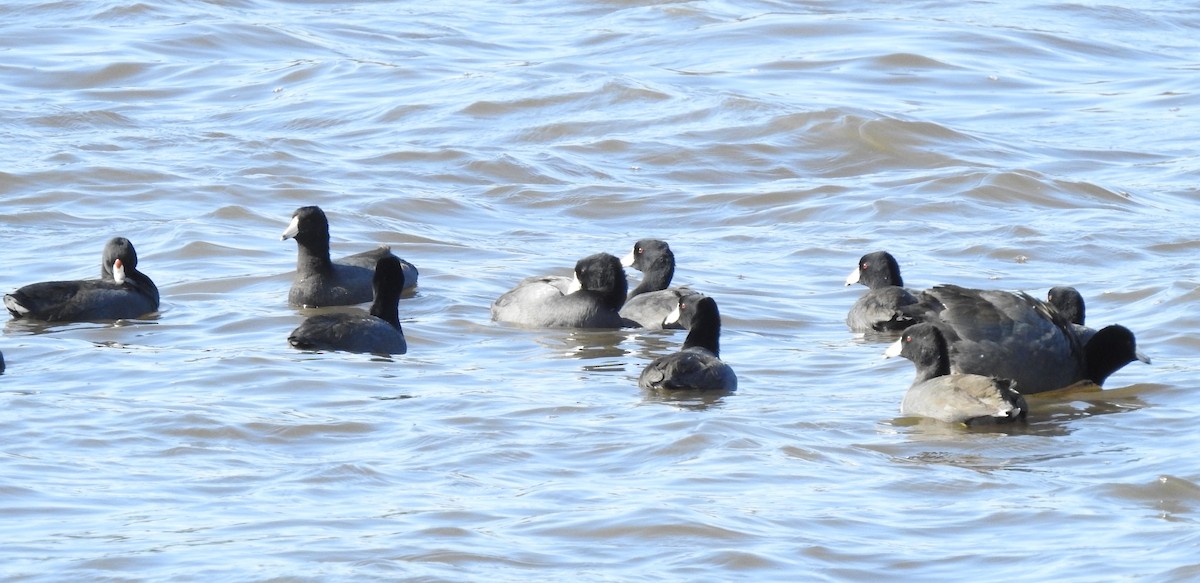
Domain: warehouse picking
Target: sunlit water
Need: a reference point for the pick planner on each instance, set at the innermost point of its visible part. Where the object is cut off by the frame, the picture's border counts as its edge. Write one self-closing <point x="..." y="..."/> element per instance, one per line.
<point x="1016" y="146"/>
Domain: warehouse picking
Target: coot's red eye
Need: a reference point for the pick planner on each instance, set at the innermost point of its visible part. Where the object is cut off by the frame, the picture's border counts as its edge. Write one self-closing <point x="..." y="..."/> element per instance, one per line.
<point x="866" y="265"/>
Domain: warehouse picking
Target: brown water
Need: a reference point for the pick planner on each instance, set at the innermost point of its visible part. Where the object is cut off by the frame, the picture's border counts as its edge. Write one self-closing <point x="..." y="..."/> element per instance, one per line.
<point x="1015" y="146"/>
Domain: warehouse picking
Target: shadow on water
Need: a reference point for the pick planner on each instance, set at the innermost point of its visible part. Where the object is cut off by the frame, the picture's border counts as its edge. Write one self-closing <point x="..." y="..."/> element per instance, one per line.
<point x="18" y="326"/>
<point x="585" y="344"/>
<point x="1049" y="413"/>
<point x="607" y="343"/>
<point x="1084" y="400"/>
<point x="690" y="400"/>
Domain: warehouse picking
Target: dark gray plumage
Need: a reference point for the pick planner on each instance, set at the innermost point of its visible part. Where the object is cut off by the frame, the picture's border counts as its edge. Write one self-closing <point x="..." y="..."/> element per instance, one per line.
<point x="122" y="292"/>
<point x="649" y="304"/>
<point x="592" y="300"/>
<point x="879" y="309"/>
<point x="953" y="398"/>
<point x="1069" y="303"/>
<point x="698" y="365"/>
<point x="320" y="281"/>
<point x="377" y="332"/>
<point x="1016" y="336"/>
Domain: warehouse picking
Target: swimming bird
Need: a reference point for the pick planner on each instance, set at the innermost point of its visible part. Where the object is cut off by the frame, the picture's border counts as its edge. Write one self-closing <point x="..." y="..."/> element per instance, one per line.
<point x="592" y="299"/>
<point x="954" y="398"/>
<point x="320" y="281"/>
<point x="652" y="300"/>
<point x="1069" y="302"/>
<point x="1016" y="336"/>
<point x="879" y="309"/>
<point x="122" y="292"/>
<point x="375" y="332"/>
<point x="698" y="365"/>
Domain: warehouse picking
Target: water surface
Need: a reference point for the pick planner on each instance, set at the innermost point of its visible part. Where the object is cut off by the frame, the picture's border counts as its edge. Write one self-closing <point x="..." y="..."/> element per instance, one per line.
<point x="1015" y="146"/>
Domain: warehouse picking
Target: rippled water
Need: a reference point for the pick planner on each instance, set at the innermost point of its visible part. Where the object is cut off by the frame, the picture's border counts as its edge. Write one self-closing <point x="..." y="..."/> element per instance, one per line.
<point x="1016" y="146"/>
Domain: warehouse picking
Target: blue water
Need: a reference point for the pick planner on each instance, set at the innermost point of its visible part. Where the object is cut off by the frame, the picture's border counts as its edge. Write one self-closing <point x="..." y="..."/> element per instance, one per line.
<point x="1012" y="146"/>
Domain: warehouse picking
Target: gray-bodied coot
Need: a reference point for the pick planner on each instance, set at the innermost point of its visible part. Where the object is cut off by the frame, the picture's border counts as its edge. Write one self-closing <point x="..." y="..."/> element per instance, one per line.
<point x="698" y="365"/>
<point x="122" y="292"/>
<point x="879" y="309"/>
<point x="593" y="299"/>
<point x="1013" y="335"/>
<point x="954" y="398"/>
<point x="320" y="281"/>
<point x="652" y="300"/>
<point x="376" y="332"/>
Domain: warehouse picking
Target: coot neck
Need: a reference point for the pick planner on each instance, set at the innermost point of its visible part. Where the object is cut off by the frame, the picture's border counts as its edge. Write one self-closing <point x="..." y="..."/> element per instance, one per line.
<point x="657" y="276"/>
<point x="612" y="299"/>
<point x="386" y="308"/>
<point x="933" y="355"/>
<point x="313" y="253"/>
<point x="705" y="332"/>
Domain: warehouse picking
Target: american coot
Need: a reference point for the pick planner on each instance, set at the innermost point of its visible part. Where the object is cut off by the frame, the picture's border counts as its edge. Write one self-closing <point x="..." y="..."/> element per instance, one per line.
<point x="698" y="365"/>
<point x="649" y="304"/>
<point x="115" y="249"/>
<point x="1069" y="302"/>
<point x="122" y="292"/>
<point x="377" y="332"/>
<point x="879" y="309"/>
<point x="320" y="281"/>
<point x="592" y="300"/>
<point x="1" y="362"/>
<point x="953" y="398"/>
<point x="1015" y="336"/>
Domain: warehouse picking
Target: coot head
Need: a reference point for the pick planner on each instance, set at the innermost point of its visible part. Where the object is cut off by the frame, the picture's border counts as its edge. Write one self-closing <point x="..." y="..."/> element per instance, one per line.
<point x="876" y="270"/>
<point x="655" y="260"/>
<point x="925" y="345"/>
<point x="699" y="315"/>
<point x="1109" y="350"/>
<point x="602" y="274"/>
<point x="117" y="248"/>
<point x="1069" y="302"/>
<point x="309" y="227"/>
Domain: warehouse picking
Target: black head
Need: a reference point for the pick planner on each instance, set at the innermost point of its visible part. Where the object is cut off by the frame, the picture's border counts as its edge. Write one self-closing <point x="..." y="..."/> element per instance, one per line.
<point x="656" y="261"/>
<point x="925" y="345"/>
<point x="689" y="305"/>
<point x="699" y="314"/>
<point x="117" y="248"/>
<point x="1069" y="302"/>
<point x="602" y="274"/>
<point x="309" y="225"/>
<point x="649" y="253"/>
<point x="1109" y="350"/>
<point x="388" y="282"/>
<point x="389" y="274"/>
<point x="876" y="270"/>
